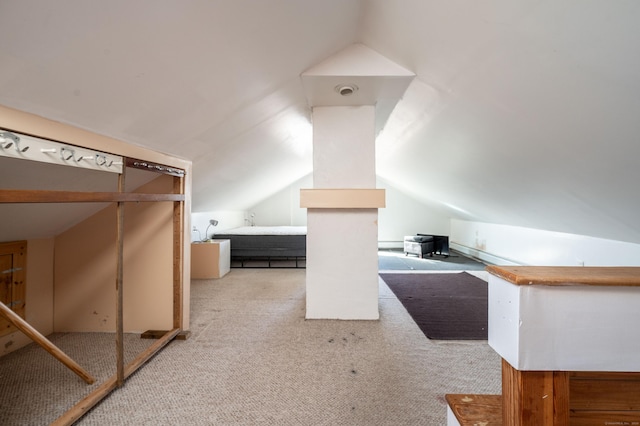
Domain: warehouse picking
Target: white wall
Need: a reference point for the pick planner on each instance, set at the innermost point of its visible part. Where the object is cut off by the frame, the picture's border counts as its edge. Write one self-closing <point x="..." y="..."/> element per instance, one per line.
<point x="406" y="216"/>
<point x="226" y="220"/>
<point x="505" y="245"/>
<point x="283" y="208"/>
<point x="402" y="216"/>
<point x="497" y="244"/>
<point x="85" y="268"/>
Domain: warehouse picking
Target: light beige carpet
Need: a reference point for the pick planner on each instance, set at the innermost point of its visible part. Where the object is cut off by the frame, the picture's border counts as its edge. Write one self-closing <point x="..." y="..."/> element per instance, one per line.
<point x="253" y="359"/>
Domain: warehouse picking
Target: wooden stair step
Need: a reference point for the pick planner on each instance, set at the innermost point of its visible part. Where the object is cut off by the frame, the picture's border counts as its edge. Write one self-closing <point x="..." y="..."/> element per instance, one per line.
<point x="476" y="410"/>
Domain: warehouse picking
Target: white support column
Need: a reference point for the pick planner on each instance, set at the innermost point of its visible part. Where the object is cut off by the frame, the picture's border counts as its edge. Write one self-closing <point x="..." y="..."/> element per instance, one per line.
<point x="342" y="244"/>
<point x="351" y="95"/>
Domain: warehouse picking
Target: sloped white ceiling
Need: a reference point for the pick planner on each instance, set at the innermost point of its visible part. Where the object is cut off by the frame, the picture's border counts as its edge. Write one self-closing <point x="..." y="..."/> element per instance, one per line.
<point x="522" y="113"/>
<point x="217" y="82"/>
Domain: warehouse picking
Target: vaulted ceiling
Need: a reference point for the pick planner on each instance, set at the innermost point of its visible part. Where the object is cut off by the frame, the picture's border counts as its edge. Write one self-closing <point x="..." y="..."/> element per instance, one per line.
<point x="521" y="113"/>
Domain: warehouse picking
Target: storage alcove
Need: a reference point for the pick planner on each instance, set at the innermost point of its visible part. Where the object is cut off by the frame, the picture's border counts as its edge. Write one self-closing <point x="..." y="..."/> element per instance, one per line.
<point x="104" y="264"/>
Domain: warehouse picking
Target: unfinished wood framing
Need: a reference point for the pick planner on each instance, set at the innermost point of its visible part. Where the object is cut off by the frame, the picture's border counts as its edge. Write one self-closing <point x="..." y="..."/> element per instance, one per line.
<point x="178" y="198"/>
<point x="86" y="403"/>
<point x="13" y="281"/>
<point x="119" y="283"/>
<point x="38" y="338"/>
<point x="178" y="261"/>
<point x="38" y="196"/>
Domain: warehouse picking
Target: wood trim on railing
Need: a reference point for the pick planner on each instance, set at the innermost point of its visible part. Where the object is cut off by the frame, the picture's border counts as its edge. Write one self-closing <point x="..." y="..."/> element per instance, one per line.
<point x="568" y="275"/>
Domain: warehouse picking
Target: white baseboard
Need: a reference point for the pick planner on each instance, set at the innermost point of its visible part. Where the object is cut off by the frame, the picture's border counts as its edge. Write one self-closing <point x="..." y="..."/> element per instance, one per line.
<point x="390" y="244"/>
<point x="483" y="256"/>
<point x="471" y="252"/>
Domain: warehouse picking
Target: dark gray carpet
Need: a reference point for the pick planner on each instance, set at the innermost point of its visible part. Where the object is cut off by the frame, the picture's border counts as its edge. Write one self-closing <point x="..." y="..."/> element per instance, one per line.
<point x="449" y="306"/>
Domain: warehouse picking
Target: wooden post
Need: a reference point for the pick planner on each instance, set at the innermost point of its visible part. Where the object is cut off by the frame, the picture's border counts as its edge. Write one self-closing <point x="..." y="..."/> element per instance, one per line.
<point x="119" y="283"/>
<point x="534" y="398"/>
<point x="178" y="242"/>
<point x="35" y="335"/>
<point x="85" y="404"/>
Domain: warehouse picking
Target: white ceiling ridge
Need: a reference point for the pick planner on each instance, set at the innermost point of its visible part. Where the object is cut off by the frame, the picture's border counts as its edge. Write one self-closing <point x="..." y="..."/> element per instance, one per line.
<point x="358" y="60"/>
<point x="367" y="77"/>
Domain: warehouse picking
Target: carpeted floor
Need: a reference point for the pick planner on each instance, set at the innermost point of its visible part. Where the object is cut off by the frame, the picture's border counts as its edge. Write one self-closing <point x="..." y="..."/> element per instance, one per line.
<point x="253" y="359"/>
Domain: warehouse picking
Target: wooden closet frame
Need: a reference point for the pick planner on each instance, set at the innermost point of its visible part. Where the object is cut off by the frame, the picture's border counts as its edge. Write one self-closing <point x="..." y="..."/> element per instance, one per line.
<point x="177" y="197"/>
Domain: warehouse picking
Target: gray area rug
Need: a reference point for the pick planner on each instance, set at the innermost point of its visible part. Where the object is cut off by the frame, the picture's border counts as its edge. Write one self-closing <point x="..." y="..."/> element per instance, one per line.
<point x="253" y="359"/>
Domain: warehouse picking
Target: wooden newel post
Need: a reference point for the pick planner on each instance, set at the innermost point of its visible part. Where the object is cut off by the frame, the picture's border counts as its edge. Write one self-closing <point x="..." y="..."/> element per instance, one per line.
<point x="534" y="397"/>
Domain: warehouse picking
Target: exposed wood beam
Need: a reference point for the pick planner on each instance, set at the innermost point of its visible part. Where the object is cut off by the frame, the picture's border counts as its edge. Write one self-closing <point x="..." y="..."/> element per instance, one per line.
<point x="84" y="405"/>
<point x="35" y="335"/>
<point x="178" y="241"/>
<point x="41" y="196"/>
<point x="119" y="283"/>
